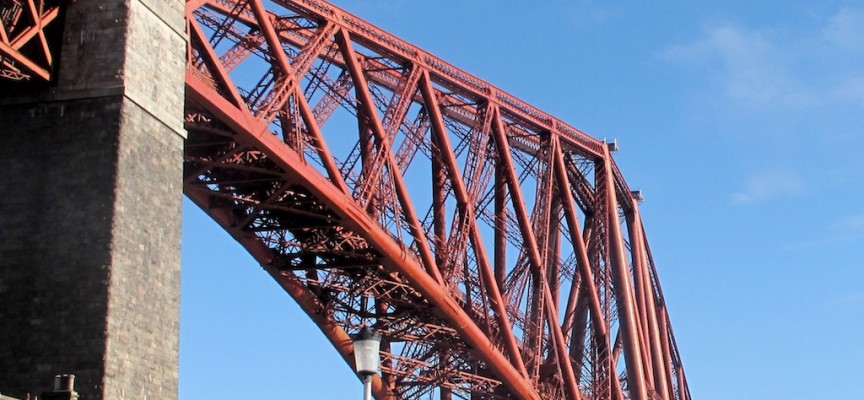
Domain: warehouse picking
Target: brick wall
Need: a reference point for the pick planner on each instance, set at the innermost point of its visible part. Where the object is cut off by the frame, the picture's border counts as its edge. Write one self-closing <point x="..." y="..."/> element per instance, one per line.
<point x="90" y="212"/>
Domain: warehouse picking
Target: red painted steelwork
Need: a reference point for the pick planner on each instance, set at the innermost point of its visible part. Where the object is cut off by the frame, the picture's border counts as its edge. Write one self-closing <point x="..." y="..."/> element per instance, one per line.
<point x="380" y="185"/>
<point x="25" y="51"/>
<point x="497" y="249"/>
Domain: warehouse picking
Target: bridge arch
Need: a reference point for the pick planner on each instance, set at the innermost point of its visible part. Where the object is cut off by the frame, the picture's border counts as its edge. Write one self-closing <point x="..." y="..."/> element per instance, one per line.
<point x="498" y="249"/>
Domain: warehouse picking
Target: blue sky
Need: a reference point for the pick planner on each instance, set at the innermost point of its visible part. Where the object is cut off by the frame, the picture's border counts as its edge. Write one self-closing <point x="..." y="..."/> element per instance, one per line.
<point x="743" y="124"/>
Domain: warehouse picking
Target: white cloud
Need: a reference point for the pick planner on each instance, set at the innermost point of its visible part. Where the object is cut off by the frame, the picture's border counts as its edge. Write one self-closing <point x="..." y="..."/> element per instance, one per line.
<point x="843" y="35"/>
<point x="588" y="12"/>
<point x="844" y="230"/>
<point x="850" y="91"/>
<point x="767" y="186"/>
<point x="851" y="224"/>
<point x="777" y="66"/>
<point x="845" y="30"/>
<point x="848" y="300"/>
<point x="747" y="63"/>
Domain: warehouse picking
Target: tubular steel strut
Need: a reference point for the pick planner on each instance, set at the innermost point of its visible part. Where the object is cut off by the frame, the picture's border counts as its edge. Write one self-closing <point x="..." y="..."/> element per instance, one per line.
<point x="26" y="53"/>
<point x="498" y="250"/>
<point x="380" y="185"/>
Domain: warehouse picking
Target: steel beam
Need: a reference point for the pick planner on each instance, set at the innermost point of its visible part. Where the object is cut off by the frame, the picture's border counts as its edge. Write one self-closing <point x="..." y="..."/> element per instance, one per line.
<point x="394" y="255"/>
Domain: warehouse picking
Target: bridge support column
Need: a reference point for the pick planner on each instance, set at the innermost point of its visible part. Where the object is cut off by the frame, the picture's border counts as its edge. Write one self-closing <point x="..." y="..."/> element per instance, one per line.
<point x="91" y="170"/>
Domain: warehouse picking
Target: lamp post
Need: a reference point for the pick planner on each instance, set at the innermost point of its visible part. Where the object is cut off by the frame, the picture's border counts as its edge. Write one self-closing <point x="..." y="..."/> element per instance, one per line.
<point x="367" y="345"/>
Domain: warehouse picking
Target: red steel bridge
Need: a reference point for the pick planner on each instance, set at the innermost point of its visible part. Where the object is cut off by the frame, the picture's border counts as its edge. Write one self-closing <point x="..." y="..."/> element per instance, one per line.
<point x="498" y="250"/>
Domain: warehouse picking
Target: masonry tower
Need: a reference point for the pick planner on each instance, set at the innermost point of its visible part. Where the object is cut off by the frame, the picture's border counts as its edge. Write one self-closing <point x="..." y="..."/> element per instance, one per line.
<point x="90" y="219"/>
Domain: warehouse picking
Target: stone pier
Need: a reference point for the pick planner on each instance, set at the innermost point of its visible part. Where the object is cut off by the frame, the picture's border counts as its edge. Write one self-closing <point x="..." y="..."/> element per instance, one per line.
<point x="91" y="170"/>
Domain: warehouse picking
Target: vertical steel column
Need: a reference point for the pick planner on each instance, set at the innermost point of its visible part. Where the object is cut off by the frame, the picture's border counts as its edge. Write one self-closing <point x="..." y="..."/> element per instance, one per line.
<point x="601" y="331"/>
<point x="500" y="227"/>
<point x="628" y="318"/>
<point x="557" y="336"/>
<point x="487" y="275"/>
<point x="439" y="213"/>
<point x="637" y="244"/>
<point x="666" y="348"/>
<point x="640" y="296"/>
<point x="284" y="65"/>
<point x="365" y="100"/>
<point x="553" y="264"/>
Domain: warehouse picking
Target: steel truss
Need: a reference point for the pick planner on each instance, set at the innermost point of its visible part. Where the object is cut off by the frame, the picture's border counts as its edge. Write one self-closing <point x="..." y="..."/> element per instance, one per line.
<point x="25" y="49"/>
<point x="380" y="185"/>
<point x="497" y="249"/>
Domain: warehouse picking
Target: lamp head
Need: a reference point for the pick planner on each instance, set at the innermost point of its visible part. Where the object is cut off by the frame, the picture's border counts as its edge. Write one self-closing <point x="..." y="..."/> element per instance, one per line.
<point x="367" y="345"/>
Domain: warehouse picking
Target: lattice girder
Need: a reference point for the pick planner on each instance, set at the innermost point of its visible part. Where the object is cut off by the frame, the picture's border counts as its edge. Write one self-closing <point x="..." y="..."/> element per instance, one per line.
<point x="26" y="52"/>
<point x="497" y="249"/>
